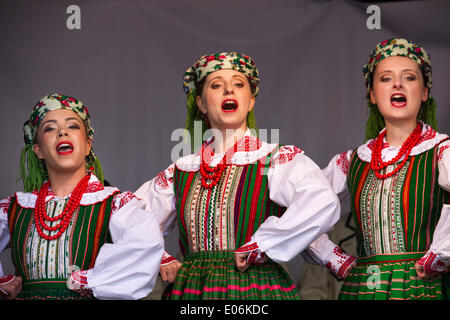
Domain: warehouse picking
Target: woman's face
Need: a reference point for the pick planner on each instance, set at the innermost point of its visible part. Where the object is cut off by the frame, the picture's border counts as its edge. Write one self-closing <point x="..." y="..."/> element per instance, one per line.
<point x="226" y="99"/>
<point x="398" y="89"/>
<point x="62" y="141"/>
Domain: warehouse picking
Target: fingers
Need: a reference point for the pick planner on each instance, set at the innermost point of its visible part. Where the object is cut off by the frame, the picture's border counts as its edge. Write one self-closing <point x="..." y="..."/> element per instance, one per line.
<point x="422" y="274"/>
<point x="241" y="261"/>
<point x="13" y="288"/>
<point x="169" y="272"/>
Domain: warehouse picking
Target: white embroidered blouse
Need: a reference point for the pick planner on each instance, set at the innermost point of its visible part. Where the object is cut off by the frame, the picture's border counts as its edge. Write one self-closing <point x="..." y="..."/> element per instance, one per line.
<point x="124" y="269"/>
<point x="294" y="181"/>
<point x="437" y="259"/>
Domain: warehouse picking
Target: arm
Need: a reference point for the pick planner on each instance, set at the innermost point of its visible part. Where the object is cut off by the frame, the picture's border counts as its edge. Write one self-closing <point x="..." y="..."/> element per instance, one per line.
<point x="10" y="285"/>
<point x="323" y="251"/>
<point x="128" y="267"/>
<point x="437" y="259"/>
<point x="336" y="173"/>
<point x="297" y="183"/>
<point x="4" y="227"/>
<point x="159" y="198"/>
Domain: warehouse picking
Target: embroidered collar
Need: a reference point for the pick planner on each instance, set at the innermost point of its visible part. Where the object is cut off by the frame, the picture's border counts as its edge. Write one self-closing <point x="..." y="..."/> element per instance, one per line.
<point x="248" y="150"/>
<point x="95" y="192"/>
<point x="428" y="139"/>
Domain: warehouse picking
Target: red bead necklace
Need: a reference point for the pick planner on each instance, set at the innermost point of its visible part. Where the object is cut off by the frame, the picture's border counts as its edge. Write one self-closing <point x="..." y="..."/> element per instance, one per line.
<point x="209" y="173"/>
<point x="40" y="214"/>
<point x="377" y="164"/>
<point x="213" y="174"/>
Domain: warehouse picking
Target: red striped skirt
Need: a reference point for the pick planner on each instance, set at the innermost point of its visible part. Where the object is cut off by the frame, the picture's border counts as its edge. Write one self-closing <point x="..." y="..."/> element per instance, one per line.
<point x="213" y="275"/>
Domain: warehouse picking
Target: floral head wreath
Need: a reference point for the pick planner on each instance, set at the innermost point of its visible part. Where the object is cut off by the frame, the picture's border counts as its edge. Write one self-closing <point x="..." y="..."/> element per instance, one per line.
<point x="206" y="65"/>
<point x="32" y="170"/>
<point x="210" y="63"/>
<point x="404" y="48"/>
<point x="397" y="47"/>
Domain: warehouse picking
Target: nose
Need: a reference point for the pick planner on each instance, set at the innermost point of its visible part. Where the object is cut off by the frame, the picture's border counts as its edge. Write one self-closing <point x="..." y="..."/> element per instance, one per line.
<point x="62" y="132"/>
<point x="397" y="82"/>
<point x="228" y="89"/>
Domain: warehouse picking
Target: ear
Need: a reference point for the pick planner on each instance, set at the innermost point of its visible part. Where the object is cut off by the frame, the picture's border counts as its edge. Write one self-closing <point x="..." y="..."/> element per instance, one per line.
<point x="200" y="104"/>
<point x="426" y="93"/>
<point x="37" y="150"/>
<point x="88" y="146"/>
<point x="252" y="103"/>
<point x="372" y="97"/>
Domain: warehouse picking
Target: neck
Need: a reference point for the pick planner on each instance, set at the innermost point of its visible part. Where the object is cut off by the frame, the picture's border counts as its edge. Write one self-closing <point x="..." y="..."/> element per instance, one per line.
<point x="397" y="133"/>
<point x="63" y="183"/>
<point x="224" y="139"/>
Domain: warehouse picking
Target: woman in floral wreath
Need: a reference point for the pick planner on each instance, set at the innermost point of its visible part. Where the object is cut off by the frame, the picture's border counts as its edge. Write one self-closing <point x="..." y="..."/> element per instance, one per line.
<point x="71" y="237"/>
<point x="241" y="205"/>
<point x="398" y="183"/>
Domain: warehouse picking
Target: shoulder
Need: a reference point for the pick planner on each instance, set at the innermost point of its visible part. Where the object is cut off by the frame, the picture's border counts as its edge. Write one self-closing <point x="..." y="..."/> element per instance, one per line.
<point x="285" y="154"/>
<point x="4" y="206"/>
<point x="443" y="149"/>
<point x="96" y="192"/>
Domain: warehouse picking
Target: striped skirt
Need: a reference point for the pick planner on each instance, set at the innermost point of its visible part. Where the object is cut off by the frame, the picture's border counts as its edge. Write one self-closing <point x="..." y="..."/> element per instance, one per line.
<point x="47" y="289"/>
<point x="213" y="275"/>
<point x="389" y="277"/>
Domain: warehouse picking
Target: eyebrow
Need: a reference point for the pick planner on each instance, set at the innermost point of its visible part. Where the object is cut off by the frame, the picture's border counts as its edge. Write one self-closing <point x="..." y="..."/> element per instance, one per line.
<point x="54" y="121"/>
<point x="404" y="70"/>
<point x="233" y="76"/>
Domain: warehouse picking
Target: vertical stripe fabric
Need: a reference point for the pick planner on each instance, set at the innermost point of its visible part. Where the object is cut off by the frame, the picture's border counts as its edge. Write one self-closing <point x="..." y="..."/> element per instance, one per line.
<point x="396" y="219"/>
<point x="213" y="223"/>
<point x="46" y="265"/>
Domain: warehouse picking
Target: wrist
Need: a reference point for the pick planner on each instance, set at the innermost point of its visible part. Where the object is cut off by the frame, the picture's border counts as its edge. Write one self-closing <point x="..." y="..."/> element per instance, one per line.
<point x="255" y="255"/>
<point x="78" y="280"/>
<point x="167" y="258"/>
<point x="6" y="279"/>
<point x="340" y="262"/>
<point x="432" y="264"/>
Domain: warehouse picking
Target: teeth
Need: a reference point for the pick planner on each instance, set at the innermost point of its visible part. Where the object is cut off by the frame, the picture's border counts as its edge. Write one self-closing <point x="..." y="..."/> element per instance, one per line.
<point x="65" y="146"/>
<point x="398" y="97"/>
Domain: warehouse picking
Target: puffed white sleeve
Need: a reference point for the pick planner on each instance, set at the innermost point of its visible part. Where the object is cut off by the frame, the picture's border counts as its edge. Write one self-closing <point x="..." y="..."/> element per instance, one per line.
<point x="4" y="227"/>
<point x="127" y="268"/>
<point x="297" y="183"/>
<point x="336" y="173"/>
<point x="437" y="258"/>
<point x="323" y="251"/>
<point x="159" y="197"/>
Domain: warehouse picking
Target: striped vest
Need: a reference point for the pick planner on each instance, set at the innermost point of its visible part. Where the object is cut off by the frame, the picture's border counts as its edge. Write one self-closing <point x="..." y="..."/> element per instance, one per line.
<point x="398" y="214"/>
<point x="226" y="216"/>
<point x="80" y="243"/>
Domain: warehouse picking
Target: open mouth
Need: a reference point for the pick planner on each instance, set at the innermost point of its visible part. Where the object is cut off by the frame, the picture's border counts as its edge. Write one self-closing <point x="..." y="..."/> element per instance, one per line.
<point x="398" y="100"/>
<point x="229" y="105"/>
<point x="64" y="148"/>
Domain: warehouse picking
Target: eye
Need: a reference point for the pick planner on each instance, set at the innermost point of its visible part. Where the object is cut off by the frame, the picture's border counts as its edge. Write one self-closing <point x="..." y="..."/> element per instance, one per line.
<point x="385" y="79"/>
<point x="74" y="126"/>
<point x="410" y="78"/>
<point x="48" y="129"/>
<point x="239" y="84"/>
<point x="215" y="85"/>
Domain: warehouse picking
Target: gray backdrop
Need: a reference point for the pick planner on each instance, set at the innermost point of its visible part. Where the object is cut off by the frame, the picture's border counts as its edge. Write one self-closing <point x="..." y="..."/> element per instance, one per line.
<point x="127" y="61"/>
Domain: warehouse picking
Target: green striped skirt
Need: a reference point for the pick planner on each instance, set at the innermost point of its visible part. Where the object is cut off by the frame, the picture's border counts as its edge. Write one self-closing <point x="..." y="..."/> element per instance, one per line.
<point x="213" y="275"/>
<point x="47" y="289"/>
<point x="389" y="277"/>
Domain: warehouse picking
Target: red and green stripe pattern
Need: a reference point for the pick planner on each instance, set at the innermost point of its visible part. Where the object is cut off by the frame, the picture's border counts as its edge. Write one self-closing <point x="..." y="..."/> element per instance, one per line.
<point x="419" y="202"/>
<point x="212" y="223"/>
<point x="88" y="233"/>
